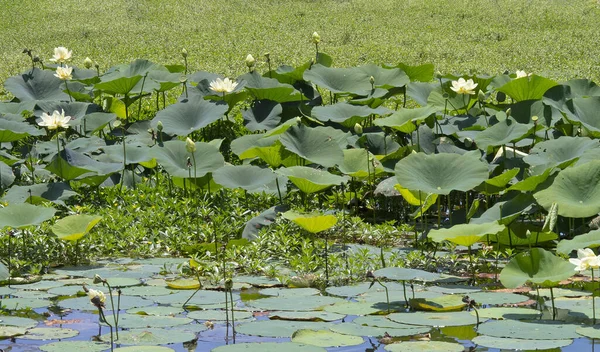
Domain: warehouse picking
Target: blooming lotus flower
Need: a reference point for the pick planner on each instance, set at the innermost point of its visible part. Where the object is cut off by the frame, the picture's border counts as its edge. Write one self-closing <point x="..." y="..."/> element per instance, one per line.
<point x="464" y="87"/>
<point x="54" y="121"/>
<point x="64" y="73"/>
<point x="61" y="55"/>
<point x="223" y="85"/>
<point x="97" y="298"/>
<point x="521" y="74"/>
<point x="586" y="259"/>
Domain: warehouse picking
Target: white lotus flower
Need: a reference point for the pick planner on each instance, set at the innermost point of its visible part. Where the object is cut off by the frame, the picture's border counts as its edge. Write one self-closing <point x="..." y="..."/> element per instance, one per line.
<point x="586" y="259"/>
<point x="64" y="73"/>
<point x="61" y="54"/>
<point x="464" y="87"/>
<point x="97" y="298"/>
<point x="223" y="85"/>
<point x="54" y="121"/>
<point x="521" y="74"/>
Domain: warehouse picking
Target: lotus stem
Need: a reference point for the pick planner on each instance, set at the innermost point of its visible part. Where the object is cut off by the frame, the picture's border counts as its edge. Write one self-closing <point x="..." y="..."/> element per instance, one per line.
<point x="553" y="308"/>
<point x="232" y="315"/>
<point x="140" y="100"/>
<point x="103" y="317"/>
<point x="68" y="92"/>
<point x="405" y="297"/>
<point x="593" y="300"/>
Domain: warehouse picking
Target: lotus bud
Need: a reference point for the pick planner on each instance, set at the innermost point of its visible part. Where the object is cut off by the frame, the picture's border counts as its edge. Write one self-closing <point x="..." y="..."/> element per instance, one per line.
<point x="358" y="128"/>
<point x="508" y="111"/>
<point x="159" y="126"/>
<point x="268" y="56"/>
<point x="184" y="53"/>
<point x="250" y="61"/>
<point x="316" y="38"/>
<point x="190" y="146"/>
<point x="97" y="66"/>
<point x="228" y="284"/>
<point x="372" y="80"/>
<point x="534" y="118"/>
<point x="438" y="75"/>
<point x="87" y="63"/>
<point x="98" y="279"/>
<point x="36" y="59"/>
<point x="481" y="96"/>
<point x="298" y="120"/>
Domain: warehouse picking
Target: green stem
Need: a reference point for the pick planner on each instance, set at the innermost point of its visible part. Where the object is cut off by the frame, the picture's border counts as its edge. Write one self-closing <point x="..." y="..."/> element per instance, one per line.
<point x="593" y="301"/>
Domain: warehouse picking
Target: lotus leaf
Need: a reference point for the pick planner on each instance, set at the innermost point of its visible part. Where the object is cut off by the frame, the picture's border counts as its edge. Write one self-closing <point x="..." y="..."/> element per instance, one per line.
<point x="537" y="266"/>
<point x="151" y="336"/>
<point x="559" y="152"/>
<point x="268" y="347"/>
<point x="511" y="343"/>
<point x="531" y="330"/>
<point x="373" y="331"/>
<point x="74" y="346"/>
<point x="359" y="163"/>
<point x="404" y="119"/>
<point x="278" y="328"/>
<point x="11" y="130"/>
<point x="23" y="215"/>
<point x="312" y="144"/>
<point x="136" y="321"/>
<point x="310" y="180"/>
<point x="188" y="116"/>
<point x="576" y="191"/>
<point x="504" y="212"/>
<point x="406" y="274"/>
<point x="584" y="110"/>
<point x="465" y="234"/>
<point x="263" y="88"/>
<point x="36" y="84"/>
<point x="73" y="227"/>
<point x="440" y="173"/>
<point x="346" y="114"/>
<point x="305" y="316"/>
<point x="502" y="133"/>
<point x="3" y="276"/>
<point x="527" y="88"/>
<point x="325" y="338"/>
<point x="424" y="346"/>
<point x="173" y="157"/>
<point x="251" y="178"/>
<point x="263" y="115"/>
<point x="434" y="319"/>
<point x="265" y="218"/>
<point x="588" y="240"/>
<point x="356" y="80"/>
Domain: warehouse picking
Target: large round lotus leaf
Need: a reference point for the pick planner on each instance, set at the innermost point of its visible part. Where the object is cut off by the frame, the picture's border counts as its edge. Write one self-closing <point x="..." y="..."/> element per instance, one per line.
<point x="592" y="332"/>
<point x="36" y="84"/>
<point x="346" y="114"/>
<point x="257" y="281"/>
<point x="151" y="336"/>
<point x="578" y="307"/>
<point x="75" y="346"/>
<point x="527" y="88"/>
<point x="56" y="192"/>
<point x="39" y="285"/>
<point x="312" y="144"/>
<point x="49" y="333"/>
<point x="576" y="190"/>
<point x="200" y="298"/>
<point x="497" y="298"/>
<point x="342" y="80"/>
<point x="148" y="291"/>
<point x="406" y="274"/>
<point x="268" y="347"/>
<point x="27" y="323"/>
<point x="33" y="294"/>
<point x="425" y="346"/>
<point x="278" y="328"/>
<point x="465" y="234"/>
<point x="73" y="227"/>
<point x="557" y="152"/>
<point x="11" y="131"/>
<point x="536" y="266"/>
<point x="135" y="153"/>
<point x="248" y="177"/>
<point x="380" y="321"/>
<point x="509" y="343"/>
<point x="144" y="349"/>
<point x="434" y="319"/>
<point x="364" y="308"/>
<point x="284" y="292"/>
<point x="4" y="274"/>
<point x="263" y="115"/>
<point x="135" y="321"/>
<point x="440" y="173"/>
<point x="83" y="303"/>
<point x="454" y="289"/>
<point x="505" y="212"/>
<point x="404" y="119"/>
<point x="173" y="157"/>
<point x="23" y="215"/>
<point x="588" y="240"/>
<point x="502" y="133"/>
<point x="156" y="310"/>
<point x="359" y="163"/>
<point x="264" y="88"/>
<point x="310" y="180"/>
<point x="349" y="291"/>
<point x="306" y="316"/>
<point x="218" y="315"/>
<point x="312" y="223"/>
<point x="301" y="303"/>
<point x="585" y="111"/>
<point x="508" y="313"/>
<point x="445" y="303"/>
<point x="532" y="182"/>
<point x="22" y="303"/>
<point x="558" y="292"/>
<point x="325" y="338"/>
<point x="532" y="330"/>
<point x="11" y="331"/>
<point x="7" y="175"/>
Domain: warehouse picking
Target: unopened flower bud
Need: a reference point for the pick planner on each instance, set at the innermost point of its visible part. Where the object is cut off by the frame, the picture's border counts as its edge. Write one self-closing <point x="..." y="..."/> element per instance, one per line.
<point x="184" y="53"/>
<point x="250" y="61"/>
<point x="228" y="284"/>
<point x="98" y="279"/>
<point x="372" y="80"/>
<point x="268" y="56"/>
<point x="87" y="63"/>
<point x="508" y="111"/>
<point x="316" y="38"/>
<point x="438" y="75"/>
<point x="298" y="120"/>
<point x="190" y="146"/>
<point x="159" y="126"/>
<point x="358" y="128"/>
<point x="534" y="118"/>
<point x="481" y="96"/>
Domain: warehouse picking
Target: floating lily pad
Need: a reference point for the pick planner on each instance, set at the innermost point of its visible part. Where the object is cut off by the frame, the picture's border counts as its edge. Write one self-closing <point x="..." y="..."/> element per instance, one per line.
<point x="201" y="298"/>
<point x="406" y="274"/>
<point x="67" y="346"/>
<point x="278" y="328"/>
<point x="268" y="347"/>
<point x="578" y="307"/>
<point x="144" y="349"/>
<point x="306" y="316"/>
<point x="349" y="291"/>
<point x="148" y="291"/>
<point x="592" y="332"/>
<point x="497" y="298"/>
<point x="532" y="330"/>
<point x="11" y="331"/>
<point x="136" y="321"/>
<point x="285" y="292"/>
<point x="519" y="344"/>
<point x="49" y="333"/>
<point x="559" y="292"/>
<point x="183" y="284"/>
<point x="359" y="330"/>
<point x="508" y="313"/>
<point x="380" y="322"/>
<point x="43" y="285"/>
<point x="33" y="294"/>
<point x="7" y="320"/>
<point x="363" y="308"/>
<point x="454" y="289"/>
<point x="325" y="338"/>
<point x="217" y="315"/>
<point x="294" y="303"/>
<point x="156" y="310"/>
<point x="425" y="346"/>
<point x="151" y="336"/>
<point x="434" y="319"/>
<point x="83" y="303"/>
<point x="446" y="303"/>
<point x="22" y="303"/>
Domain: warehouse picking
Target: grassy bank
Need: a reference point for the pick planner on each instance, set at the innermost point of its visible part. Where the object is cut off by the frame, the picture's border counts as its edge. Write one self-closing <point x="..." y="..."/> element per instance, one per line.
<point x="552" y="38"/>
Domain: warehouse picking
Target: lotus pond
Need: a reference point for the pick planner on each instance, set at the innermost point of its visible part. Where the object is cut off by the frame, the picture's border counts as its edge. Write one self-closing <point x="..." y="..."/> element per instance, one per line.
<point x="379" y="207"/>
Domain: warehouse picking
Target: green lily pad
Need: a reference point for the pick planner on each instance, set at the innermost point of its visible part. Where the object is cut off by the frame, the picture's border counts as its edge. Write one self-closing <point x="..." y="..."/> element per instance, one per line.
<point x="151" y="336"/>
<point x="83" y="303"/>
<point x="136" y="321"/>
<point x="380" y="321"/>
<point x="502" y="133"/>
<point x="251" y="178"/>
<point x="49" y="333"/>
<point x="406" y="274"/>
<point x="306" y="316"/>
<point x="454" y="289"/>
<point x="218" y="315"/>
<point x="278" y="328"/>
<point x="66" y="346"/>
<point x="257" y="281"/>
<point x="509" y="343"/>
<point x="312" y="144"/>
<point x="73" y="227"/>
<point x="497" y="298"/>
<point x="359" y="330"/>
<point x="303" y="303"/>
<point x="284" y="292"/>
<point x="465" y="234"/>
<point x="268" y="347"/>
<point x="201" y="298"/>
<point x="578" y="307"/>
<point x="592" y="332"/>
<point x="310" y="180"/>
<point x="144" y="349"/>
<point x="349" y="291"/>
<point x="527" y="88"/>
<point x="559" y="292"/>
<point x="42" y="285"/>
<point x="363" y="308"/>
<point x="156" y="310"/>
<point x="27" y="323"/>
<point x="445" y="303"/>
<point x="510" y="313"/>
<point x="325" y="338"/>
<point x="11" y="331"/>
<point x="587" y="240"/>
<point x="22" y="303"/>
<point x="148" y="291"/>
<point x="425" y="346"/>
<point x="33" y="294"/>
<point x="531" y="330"/>
<point x="537" y="266"/>
<point x="440" y="319"/>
